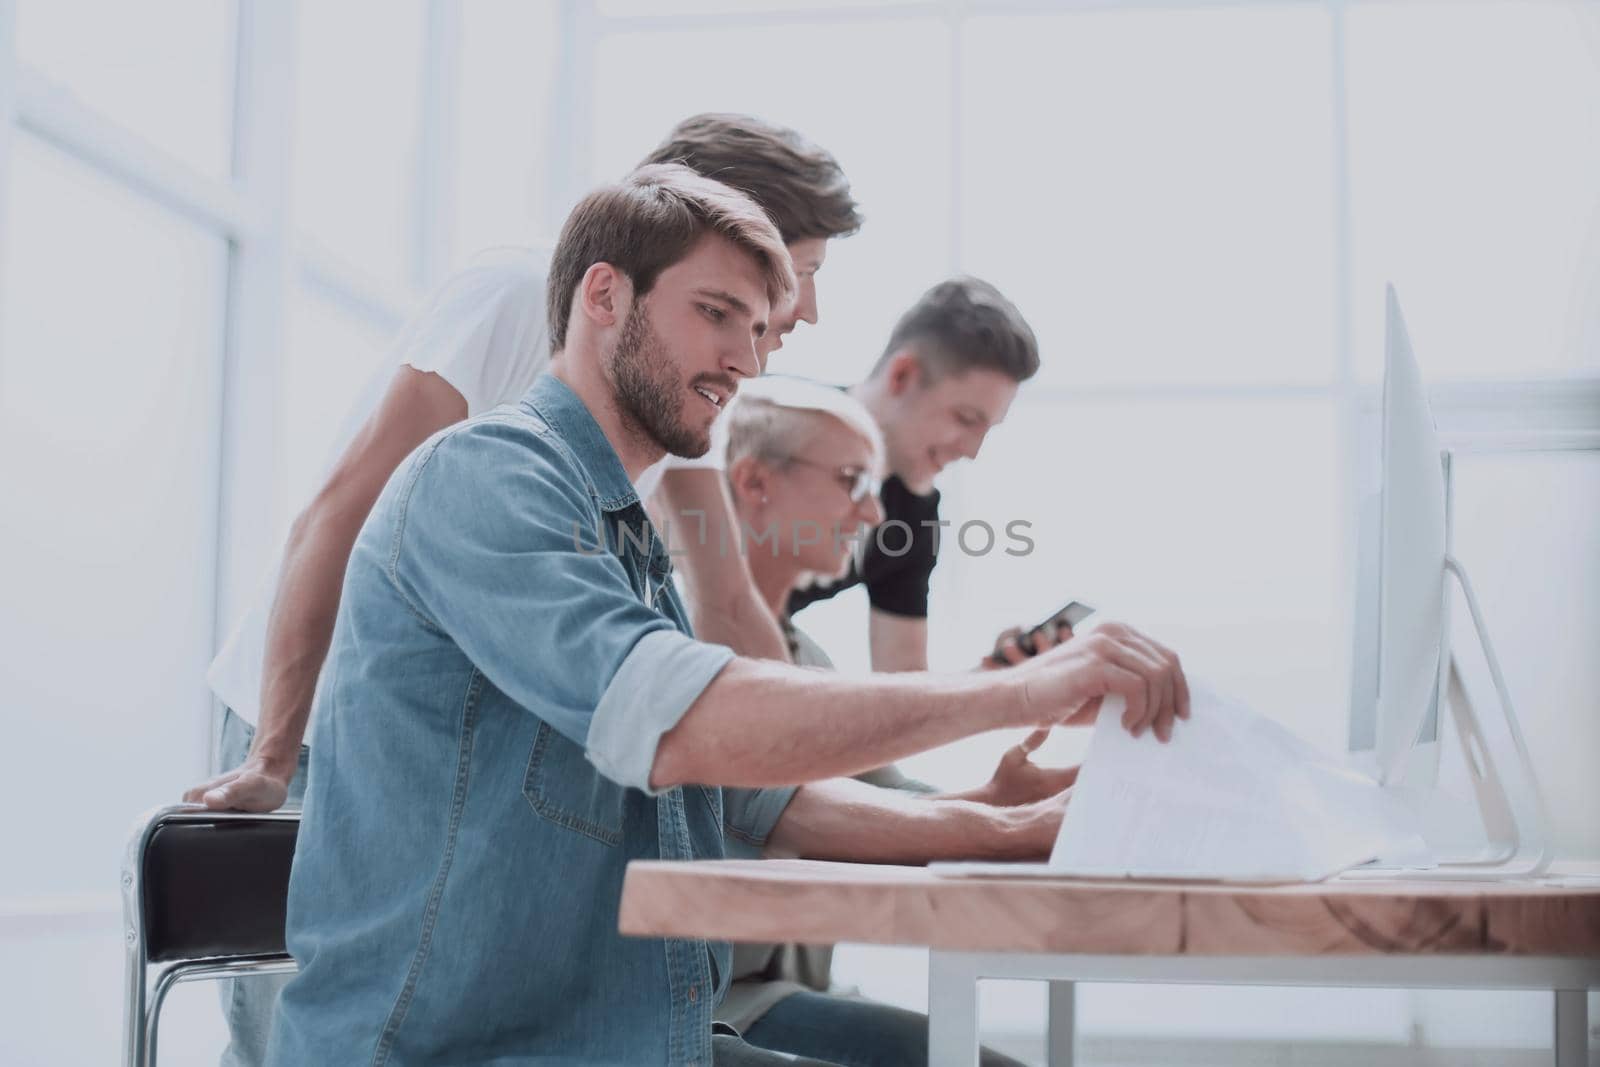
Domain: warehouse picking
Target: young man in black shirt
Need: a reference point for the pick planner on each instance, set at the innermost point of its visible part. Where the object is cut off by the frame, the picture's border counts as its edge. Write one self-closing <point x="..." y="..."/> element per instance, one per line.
<point x="947" y="376"/>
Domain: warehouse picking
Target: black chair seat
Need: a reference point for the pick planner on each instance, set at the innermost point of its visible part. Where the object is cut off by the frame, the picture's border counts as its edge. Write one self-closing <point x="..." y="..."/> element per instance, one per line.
<point x="217" y="888"/>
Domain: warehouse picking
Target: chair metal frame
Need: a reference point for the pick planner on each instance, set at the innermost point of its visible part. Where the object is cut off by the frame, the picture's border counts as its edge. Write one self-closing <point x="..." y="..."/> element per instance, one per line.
<point x="142" y="1000"/>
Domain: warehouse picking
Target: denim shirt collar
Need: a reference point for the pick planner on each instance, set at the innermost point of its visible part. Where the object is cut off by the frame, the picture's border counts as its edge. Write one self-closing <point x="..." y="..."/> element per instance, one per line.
<point x="554" y="401"/>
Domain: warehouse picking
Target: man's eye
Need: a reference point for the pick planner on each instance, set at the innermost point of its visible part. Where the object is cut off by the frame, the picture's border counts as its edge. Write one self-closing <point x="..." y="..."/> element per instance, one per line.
<point x="714" y="314"/>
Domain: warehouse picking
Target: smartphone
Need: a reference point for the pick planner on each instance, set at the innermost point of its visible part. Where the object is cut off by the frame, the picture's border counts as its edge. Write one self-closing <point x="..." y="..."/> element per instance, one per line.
<point x="1071" y="615"/>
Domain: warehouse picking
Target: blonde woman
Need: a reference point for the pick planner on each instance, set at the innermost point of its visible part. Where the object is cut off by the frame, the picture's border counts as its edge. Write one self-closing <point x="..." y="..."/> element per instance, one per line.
<point x="804" y="463"/>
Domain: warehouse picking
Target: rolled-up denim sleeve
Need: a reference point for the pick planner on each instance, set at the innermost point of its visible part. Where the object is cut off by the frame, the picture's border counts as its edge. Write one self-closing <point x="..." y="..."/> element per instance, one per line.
<point x="663" y="674"/>
<point x="748" y="816"/>
<point x="499" y="545"/>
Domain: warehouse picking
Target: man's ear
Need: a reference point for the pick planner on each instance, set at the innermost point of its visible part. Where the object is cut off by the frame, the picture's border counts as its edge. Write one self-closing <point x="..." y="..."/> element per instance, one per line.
<point x="903" y="373"/>
<point x="604" y="295"/>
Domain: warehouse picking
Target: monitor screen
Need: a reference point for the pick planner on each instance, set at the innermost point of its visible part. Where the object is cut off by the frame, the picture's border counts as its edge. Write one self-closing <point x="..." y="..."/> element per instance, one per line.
<point x="1412" y="545"/>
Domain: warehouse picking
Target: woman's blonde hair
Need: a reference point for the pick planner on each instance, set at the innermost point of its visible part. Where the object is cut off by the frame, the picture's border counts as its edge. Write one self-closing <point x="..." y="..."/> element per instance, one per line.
<point x="774" y="417"/>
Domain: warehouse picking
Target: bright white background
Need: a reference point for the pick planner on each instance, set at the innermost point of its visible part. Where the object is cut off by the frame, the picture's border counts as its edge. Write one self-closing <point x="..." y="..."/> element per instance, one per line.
<point x="214" y="215"/>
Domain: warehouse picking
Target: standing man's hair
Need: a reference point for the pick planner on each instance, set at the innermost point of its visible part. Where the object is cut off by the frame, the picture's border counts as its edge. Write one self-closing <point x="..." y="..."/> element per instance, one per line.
<point x="647" y="222"/>
<point x="799" y="184"/>
<point x="964" y="324"/>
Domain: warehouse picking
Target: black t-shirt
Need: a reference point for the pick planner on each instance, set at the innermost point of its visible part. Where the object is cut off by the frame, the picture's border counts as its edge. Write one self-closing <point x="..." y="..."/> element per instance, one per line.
<point x="897" y="557"/>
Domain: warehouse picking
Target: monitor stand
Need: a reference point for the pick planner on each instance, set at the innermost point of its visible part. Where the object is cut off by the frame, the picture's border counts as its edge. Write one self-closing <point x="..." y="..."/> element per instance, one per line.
<point x="1517" y="848"/>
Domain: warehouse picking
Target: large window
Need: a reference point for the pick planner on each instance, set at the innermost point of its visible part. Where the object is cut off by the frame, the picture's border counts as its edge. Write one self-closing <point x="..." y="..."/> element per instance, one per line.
<point x="1160" y="217"/>
<point x="162" y="70"/>
<point x="108" y="404"/>
<point x="356" y="131"/>
<point x="502" y="182"/>
<point x="1476" y="189"/>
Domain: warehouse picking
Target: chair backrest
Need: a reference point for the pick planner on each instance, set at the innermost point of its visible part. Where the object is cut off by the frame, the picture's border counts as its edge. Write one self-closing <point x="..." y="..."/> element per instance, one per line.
<point x="214" y="884"/>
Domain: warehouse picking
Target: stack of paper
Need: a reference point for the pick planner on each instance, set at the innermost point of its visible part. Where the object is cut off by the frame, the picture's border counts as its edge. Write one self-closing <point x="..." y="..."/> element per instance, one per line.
<point x="1232" y="796"/>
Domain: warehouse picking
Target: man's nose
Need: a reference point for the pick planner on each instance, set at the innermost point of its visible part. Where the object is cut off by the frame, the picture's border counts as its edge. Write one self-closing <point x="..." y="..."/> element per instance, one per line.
<point x="805" y="309"/>
<point x="745" y="360"/>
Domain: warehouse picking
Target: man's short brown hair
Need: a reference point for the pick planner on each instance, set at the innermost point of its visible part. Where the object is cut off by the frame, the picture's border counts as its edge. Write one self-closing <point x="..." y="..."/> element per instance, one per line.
<point x="800" y="185"/>
<point x="647" y="222"/>
<point x="963" y="324"/>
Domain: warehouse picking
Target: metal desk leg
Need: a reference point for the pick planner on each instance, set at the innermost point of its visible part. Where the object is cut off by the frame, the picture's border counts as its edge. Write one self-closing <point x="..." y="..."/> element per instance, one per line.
<point x="952" y="1011"/>
<point x="1572" y="1028"/>
<point x="1062" y="1029"/>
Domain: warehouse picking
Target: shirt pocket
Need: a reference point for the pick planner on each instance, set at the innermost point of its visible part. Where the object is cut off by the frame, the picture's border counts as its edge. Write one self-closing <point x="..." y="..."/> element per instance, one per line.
<point x="563" y="786"/>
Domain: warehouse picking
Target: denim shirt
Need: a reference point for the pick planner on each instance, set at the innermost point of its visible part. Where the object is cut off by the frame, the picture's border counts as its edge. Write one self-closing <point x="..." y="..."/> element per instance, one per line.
<point x="508" y="652"/>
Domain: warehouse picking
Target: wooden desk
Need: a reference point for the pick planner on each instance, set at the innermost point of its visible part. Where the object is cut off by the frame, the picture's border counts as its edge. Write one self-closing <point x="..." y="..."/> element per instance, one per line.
<point x="1371" y="933"/>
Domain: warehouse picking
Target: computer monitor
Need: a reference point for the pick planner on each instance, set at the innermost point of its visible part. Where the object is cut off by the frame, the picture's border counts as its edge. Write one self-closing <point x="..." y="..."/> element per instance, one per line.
<point x="1403" y="670"/>
<point x="1401" y="628"/>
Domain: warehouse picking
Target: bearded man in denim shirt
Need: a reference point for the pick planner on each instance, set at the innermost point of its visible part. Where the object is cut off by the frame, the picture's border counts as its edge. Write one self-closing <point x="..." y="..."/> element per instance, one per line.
<point x="513" y="707"/>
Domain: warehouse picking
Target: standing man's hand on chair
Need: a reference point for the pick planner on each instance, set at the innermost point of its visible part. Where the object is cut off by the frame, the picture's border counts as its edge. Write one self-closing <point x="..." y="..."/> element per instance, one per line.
<point x="255" y="785"/>
<point x="416" y="405"/>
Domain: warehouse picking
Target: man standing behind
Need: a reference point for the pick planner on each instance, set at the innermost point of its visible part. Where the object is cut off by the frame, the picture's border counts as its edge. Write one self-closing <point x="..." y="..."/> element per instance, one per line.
<point x="512" y="707"/>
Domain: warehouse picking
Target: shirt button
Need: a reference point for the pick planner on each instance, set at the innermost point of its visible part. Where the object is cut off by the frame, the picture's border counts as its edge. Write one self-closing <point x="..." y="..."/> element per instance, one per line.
<point x="694" y="993"/>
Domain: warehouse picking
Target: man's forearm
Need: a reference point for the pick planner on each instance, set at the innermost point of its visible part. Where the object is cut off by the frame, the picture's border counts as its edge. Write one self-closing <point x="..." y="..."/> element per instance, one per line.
<point x="299" y="631"/>
<point x="300" y="627"/>
<point x="768" y="724"/>
<point x="725" y="604"/>
<point x="843" y="819"/>
<point x="733" y="615"/>
<point x="897" y="642"/>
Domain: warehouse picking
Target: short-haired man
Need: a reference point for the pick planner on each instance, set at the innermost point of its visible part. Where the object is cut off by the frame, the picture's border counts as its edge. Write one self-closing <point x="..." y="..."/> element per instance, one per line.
<point x="512" y="707"/>
<point x="947" y="377"/>
<point x="479" y="342"/>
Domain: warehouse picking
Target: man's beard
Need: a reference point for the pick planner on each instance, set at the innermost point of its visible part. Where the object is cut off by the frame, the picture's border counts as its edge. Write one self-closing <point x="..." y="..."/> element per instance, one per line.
<point x="649" y="391"/>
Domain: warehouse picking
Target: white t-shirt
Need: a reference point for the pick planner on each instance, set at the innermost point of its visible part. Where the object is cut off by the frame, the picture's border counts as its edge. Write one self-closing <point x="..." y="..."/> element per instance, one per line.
<point x="484" y="332"/>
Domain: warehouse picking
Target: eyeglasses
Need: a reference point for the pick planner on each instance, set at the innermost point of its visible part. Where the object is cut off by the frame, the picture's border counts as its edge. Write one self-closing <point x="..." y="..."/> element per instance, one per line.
<point x="856" y="481"/>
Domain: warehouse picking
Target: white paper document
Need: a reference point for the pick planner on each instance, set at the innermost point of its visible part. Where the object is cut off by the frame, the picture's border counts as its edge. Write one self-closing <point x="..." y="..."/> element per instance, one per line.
<point x="1232" y="796"/>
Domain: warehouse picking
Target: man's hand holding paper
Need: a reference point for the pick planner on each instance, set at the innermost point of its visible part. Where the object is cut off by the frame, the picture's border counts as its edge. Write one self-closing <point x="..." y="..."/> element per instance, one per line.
<point x="1067" y="684"/>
